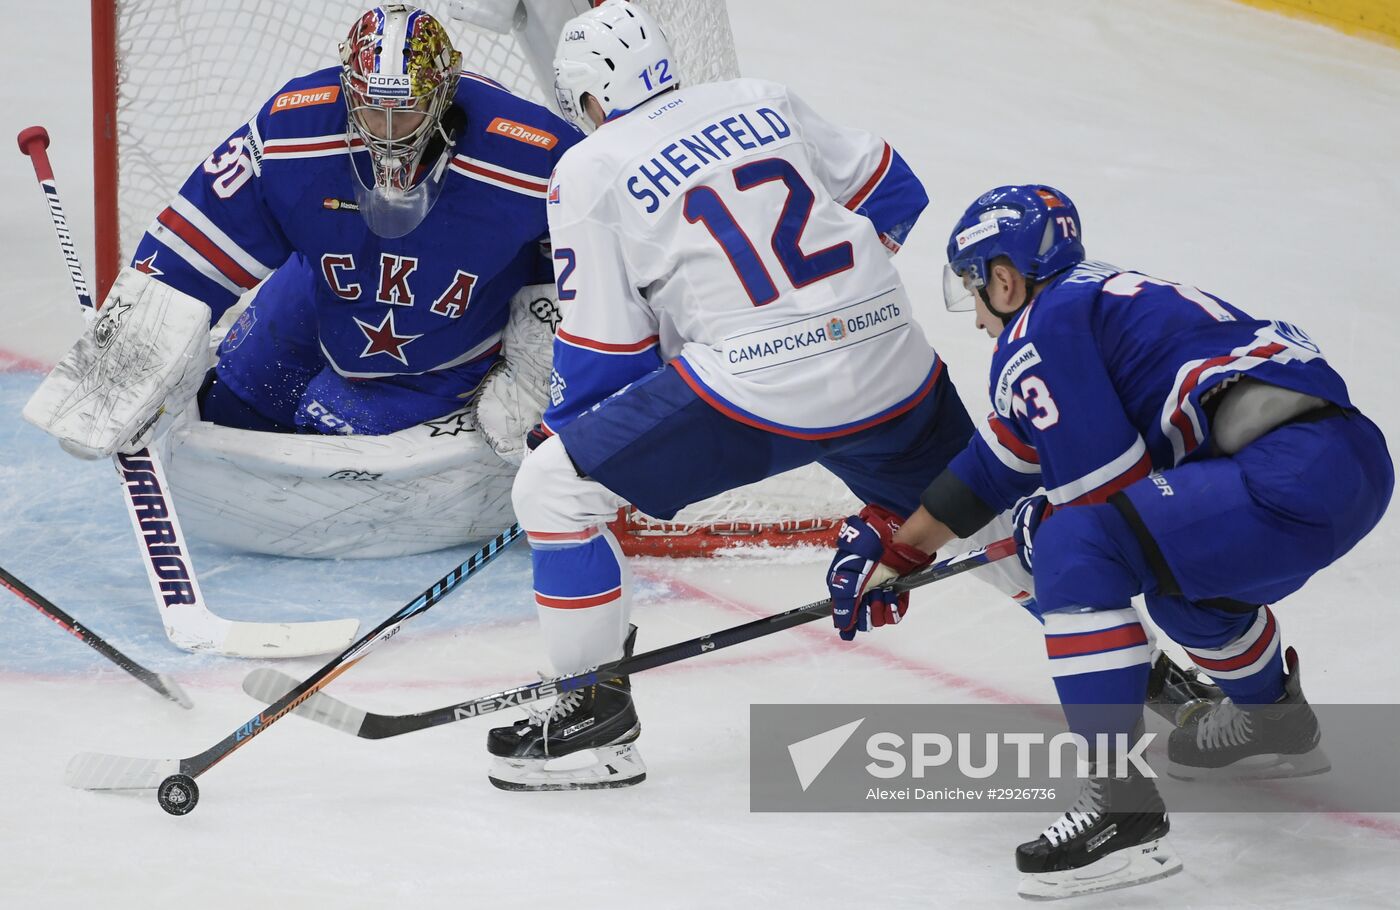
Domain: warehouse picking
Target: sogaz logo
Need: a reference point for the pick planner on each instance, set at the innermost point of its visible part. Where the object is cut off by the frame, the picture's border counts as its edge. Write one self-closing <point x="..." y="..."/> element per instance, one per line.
<point x="385" y="85"/>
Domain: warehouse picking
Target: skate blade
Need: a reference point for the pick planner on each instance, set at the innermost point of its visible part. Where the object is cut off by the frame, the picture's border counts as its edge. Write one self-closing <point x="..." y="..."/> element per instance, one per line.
<point x="607" y="767"/>
<point x="1121" y="869"/>
<point x="1258" y="767"/>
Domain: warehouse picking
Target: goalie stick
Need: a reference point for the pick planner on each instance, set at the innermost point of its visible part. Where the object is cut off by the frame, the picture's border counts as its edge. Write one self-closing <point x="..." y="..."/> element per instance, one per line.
<point x="161" y="683"/>
<point x="174" y="778"/>
<point x="270" y="685"/>
<point x="188" y="621"/>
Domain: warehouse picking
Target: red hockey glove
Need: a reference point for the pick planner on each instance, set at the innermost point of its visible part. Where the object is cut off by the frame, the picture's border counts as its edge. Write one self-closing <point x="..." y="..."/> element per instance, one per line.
<point x="866" y="558"/>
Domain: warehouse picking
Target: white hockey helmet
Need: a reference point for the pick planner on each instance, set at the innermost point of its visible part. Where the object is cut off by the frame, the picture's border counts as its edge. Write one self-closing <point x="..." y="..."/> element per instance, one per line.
<point x="616" y="53"/>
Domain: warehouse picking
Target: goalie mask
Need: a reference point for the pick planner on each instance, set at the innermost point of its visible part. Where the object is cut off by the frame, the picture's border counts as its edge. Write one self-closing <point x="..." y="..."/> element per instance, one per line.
<point x="399" y="73"/>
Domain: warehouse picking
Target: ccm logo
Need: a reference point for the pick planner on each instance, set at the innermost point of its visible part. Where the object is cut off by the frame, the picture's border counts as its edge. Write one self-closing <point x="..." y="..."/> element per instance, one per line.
<point x="288" y="100"/>
<point x="522" y="133"/>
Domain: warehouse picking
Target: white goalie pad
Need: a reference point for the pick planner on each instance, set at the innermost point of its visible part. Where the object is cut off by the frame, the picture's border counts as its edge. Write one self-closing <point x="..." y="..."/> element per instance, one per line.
<point x="142" y="357"/>
<point x="514" y="395"/>
<point x="425" y="488"/>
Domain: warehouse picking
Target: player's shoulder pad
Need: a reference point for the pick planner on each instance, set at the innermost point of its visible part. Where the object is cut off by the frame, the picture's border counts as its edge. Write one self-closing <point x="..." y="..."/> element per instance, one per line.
<point x="585" y="174"/>
<point x="1065" y="308"/>
<point x="579" y="179"/>
<point x="758" y="88"/>
<point x="1057" y="325"/>
<point x="744" y="90"/>
<point x="309" y="105"/>
<point x="509" y="131"/>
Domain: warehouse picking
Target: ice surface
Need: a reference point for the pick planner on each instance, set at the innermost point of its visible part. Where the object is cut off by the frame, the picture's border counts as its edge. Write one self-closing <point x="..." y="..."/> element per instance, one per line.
<point x="1252" y="155"/>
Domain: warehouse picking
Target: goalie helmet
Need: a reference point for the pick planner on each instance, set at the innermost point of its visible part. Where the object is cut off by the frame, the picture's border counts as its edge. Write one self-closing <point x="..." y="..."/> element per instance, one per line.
<point x="616" y="53"/>
<point x="399" y="73"/>
<point x="1035" y="226"/>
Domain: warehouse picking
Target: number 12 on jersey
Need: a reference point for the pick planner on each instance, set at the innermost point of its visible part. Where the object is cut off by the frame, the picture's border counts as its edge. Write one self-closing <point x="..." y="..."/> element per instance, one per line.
<point x="703" y="204"/>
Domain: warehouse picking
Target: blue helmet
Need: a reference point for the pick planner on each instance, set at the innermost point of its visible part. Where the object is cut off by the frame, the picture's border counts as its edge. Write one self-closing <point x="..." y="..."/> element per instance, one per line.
<point x="1036" y="227"/>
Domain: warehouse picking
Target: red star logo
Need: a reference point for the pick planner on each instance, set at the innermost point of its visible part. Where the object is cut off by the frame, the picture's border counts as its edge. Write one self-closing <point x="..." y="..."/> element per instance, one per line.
<point x="383" y="339"/>
<point x="147" y="265"/>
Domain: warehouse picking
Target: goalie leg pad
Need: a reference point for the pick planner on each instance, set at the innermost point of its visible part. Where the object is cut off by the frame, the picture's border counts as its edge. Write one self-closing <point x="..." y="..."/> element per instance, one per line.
<point x="143" y="357"/>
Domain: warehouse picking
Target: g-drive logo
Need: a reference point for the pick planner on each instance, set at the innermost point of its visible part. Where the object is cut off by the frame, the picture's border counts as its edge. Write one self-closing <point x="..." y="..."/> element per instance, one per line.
<point x="975" y="756"/>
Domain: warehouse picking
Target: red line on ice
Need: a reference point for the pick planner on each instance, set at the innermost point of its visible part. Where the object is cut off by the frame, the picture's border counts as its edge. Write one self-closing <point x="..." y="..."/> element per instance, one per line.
<point x="11" y="362"/>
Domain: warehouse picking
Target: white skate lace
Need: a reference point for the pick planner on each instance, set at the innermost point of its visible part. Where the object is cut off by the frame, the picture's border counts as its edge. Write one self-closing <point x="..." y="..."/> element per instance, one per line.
<point x="563" y="705"/>
<point x="1080" y="816"/>
<point x="1224" y="725"/>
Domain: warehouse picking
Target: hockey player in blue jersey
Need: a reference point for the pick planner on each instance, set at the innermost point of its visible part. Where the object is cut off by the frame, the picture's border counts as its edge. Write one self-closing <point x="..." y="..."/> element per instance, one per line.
<point x="1190" y="452"/>
<point x="398" y="205"/>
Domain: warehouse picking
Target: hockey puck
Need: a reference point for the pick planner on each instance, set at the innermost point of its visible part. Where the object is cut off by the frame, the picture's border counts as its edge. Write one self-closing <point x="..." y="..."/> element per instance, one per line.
<point x="178" y="794"/>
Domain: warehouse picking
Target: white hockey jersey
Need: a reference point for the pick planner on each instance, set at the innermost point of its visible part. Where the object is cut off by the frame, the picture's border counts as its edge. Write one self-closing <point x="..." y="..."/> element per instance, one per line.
<point x="728" y="229"/>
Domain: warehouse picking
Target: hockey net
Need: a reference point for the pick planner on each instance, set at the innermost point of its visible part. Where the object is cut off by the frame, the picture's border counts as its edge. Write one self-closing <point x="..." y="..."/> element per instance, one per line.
<point x="172" y="78"/>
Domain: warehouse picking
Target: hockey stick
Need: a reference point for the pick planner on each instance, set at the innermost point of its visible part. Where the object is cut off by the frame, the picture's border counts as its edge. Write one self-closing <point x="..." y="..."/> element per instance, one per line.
<point x="174" y="778"/>
<point x="163" y="684"/>
<point x="188" y="621"/>
<point x="267" y="685"/>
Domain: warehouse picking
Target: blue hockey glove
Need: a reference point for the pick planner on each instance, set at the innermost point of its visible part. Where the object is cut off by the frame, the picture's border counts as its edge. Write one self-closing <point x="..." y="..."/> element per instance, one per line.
<point x="1026" y="519"/>
<point x="867" y="557"/>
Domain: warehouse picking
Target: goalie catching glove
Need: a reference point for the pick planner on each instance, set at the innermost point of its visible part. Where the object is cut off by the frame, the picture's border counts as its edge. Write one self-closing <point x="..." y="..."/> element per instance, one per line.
<point x="144" y="355"/>
<point x="866" y="558"/>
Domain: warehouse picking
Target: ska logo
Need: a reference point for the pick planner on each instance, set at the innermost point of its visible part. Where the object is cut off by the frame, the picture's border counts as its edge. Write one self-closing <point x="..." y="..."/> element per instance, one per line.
<point x="452" y="425"/>
<point x="238" y="332"/>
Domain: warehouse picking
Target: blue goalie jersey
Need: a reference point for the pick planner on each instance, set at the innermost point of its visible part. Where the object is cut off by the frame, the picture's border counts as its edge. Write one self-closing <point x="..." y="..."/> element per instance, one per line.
<point x="1101" y="380"/>
<point x="432" y="299"/>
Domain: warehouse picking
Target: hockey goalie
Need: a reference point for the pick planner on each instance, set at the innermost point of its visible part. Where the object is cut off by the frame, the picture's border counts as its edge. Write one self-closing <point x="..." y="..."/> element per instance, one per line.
<point x="373" y="397"/>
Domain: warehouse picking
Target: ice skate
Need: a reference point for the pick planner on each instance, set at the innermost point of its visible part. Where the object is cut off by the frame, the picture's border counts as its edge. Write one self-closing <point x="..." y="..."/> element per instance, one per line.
<point x="1179" y="694"/>
<point x="1231" y="742"/>
<point x="584" y="741"/>
<point x="1114" y="836"/>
